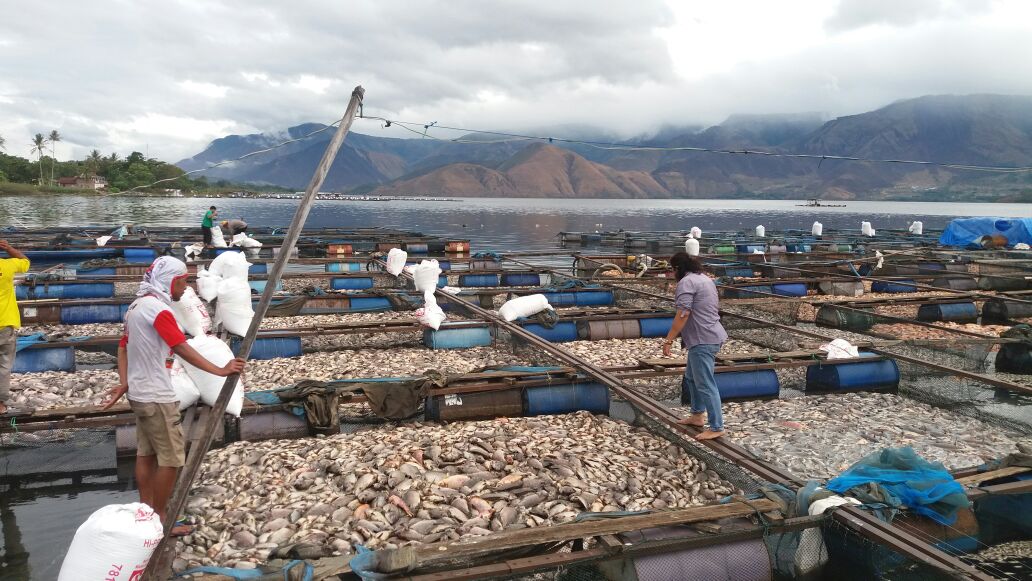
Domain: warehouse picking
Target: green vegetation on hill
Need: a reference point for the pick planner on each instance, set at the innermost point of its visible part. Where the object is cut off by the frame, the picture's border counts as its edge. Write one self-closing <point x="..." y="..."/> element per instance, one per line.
<point x="19" y="175"/>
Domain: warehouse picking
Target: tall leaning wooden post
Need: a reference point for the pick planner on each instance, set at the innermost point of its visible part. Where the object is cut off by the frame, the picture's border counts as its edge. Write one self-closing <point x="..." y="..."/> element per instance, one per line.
<point x="160" y="566"/>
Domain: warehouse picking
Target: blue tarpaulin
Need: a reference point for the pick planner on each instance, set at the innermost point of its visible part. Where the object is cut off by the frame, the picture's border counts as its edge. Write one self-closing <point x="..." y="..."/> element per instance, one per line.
<point x="966" y="231"/>
<point x="924" y="487"/>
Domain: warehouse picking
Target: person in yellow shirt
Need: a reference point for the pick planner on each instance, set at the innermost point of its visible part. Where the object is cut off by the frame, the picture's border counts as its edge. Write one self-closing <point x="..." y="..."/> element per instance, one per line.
<point x="10" y="317"/>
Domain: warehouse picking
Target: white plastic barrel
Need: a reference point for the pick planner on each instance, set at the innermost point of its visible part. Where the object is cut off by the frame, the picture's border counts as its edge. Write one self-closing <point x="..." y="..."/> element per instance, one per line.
<point x="865" y="228"/>
<point x="817" y="229"/>
<point x="691" y="246"/>
<point x="761" y="231"/>
<point x="917" y="228"/>
<point x="696" y="232"/>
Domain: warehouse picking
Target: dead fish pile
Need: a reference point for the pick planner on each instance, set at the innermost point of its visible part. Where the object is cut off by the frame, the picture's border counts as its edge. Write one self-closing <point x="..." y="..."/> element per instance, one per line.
<point x="57" y="331"/>
<point x="300" y="321"/>
<point x="398" y="362"/>
<point x="424" y="483"/>
<point x="820" y="436"/>
<point x="1011" y="560"/>
<point x="51" y="389"/>
<point x="615" y="352"/>
<point x="905" y="331"/>
<point x="126" y="289"/>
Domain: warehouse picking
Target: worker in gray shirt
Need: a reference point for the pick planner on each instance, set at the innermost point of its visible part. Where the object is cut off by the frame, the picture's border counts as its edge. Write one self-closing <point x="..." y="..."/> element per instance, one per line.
<point x="698" y="323"/>
<point x="234" y="226"/>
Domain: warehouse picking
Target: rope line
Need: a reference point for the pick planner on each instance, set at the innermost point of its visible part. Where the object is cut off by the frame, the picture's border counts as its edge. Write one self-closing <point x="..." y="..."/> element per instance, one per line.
<point x="412" y="127"/>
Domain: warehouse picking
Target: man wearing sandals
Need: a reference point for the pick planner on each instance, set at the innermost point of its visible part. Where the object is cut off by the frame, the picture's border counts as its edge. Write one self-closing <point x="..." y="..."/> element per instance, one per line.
<point x="10" y="317"/>
<point x="145" y="354"/>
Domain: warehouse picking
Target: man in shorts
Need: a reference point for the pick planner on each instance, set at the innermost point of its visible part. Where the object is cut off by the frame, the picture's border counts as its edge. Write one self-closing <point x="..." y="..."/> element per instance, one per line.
<point x="10" y="318"/>
<point x="151" y="338"/>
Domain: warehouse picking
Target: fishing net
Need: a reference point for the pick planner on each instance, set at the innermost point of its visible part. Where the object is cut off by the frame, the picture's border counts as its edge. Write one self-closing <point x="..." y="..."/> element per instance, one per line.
<point x="55" y="455"/>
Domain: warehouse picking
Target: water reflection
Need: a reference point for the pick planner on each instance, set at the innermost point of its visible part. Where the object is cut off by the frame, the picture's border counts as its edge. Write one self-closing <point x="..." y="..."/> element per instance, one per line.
<point x="496" y="224"/>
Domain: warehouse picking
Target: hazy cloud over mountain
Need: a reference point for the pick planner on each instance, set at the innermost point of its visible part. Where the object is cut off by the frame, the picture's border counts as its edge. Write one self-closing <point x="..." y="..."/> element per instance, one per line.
<point x="169" y="77"/>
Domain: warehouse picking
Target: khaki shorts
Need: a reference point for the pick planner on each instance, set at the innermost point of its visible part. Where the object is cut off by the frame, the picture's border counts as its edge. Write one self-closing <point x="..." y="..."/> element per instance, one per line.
<point x="159" y="432"/>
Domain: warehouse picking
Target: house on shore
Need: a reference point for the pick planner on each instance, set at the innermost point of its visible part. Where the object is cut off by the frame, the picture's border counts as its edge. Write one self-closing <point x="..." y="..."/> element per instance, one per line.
<point x="83" y="182"/>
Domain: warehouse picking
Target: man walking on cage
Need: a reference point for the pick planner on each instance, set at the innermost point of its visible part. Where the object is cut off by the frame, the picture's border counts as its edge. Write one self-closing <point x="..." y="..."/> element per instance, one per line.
<point x="145" y="356"/>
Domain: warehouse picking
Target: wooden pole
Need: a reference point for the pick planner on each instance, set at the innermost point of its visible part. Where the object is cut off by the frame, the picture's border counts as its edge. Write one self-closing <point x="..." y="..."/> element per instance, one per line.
<point x="160" y="565"/>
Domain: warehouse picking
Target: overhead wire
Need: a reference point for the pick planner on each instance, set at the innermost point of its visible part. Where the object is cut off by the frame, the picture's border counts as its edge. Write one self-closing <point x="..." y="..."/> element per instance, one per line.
<point x="411" y="125"/>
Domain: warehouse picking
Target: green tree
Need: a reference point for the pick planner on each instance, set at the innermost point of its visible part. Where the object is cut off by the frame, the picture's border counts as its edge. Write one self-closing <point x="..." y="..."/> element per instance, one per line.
<point x="53" y="138"/>
<point x="39" y="145"/>
<point x="2" y="142"/>
<point x="94" y="161"/>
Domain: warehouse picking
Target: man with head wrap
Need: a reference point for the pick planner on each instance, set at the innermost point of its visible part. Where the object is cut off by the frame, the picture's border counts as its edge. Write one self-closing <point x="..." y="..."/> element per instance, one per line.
<point x="145" y="354"/>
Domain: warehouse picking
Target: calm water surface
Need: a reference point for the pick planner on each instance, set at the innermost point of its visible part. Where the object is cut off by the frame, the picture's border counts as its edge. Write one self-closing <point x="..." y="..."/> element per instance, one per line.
<point x="38" y="523"/>
<point x="495" y="224"/>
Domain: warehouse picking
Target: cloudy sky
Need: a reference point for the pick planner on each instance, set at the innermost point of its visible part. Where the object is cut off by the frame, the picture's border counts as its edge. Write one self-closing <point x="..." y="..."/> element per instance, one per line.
<point x="167" y="77"/>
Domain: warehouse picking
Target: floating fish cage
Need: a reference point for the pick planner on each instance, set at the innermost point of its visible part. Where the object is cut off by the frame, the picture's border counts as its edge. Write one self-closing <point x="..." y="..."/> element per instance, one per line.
<point x="779" y="361"/>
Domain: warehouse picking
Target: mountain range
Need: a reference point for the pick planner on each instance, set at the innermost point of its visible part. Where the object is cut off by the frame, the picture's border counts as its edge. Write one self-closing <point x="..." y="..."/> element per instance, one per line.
<point x="991" y="130"/>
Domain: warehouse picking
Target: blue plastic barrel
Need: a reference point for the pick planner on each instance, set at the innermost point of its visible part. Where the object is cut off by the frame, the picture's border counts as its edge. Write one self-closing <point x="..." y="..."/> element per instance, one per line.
<point x="563" y="332"/>
<point x="351" y="283"/>
<point x="478" y="280"/>
<point x="103" y="271"/>
<point x="956" y="312"/>
<point x="747" y="292"/>
<point x="86" y="314"/>
<point x="139" y="255"/>
<point x="579" y="298"/>
<point x="91" y="290"/>
<point x="655" y="326"/>
<point x="272" y="347"/>
<point x="416" y="248"/>
<point x="219" y="251"/>
<point x="896" y="286"/>
<point x="565" y="399"/>
<point x="37" y="360"/>
<point x="368" y="304"/>
<point x="789" y="289"/>
<point x="258" y="268"/>
<point x="452" y="338"/>
<point x="746" y="384"/>
<point x="521" y="279"/>
<point x="860" y="375"/>
<point x="258" y="286"/>
<point x="344" y="267"/>
<point x="442" y="281"/>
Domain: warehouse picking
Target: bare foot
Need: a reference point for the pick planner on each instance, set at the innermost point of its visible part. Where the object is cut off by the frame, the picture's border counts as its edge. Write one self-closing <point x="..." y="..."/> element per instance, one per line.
<point x="710" y="435"/>
<point x="181" y="530"/>
<point x="692" y="420"/>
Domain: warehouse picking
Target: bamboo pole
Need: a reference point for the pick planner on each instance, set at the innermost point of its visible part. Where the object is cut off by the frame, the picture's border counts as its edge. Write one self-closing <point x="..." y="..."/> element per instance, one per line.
<point x="160" y="565"/>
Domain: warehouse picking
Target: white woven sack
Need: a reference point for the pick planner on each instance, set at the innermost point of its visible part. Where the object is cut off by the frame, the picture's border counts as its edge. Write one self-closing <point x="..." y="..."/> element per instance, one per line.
<point x="209" y="386"/>
<point x="114" y="544"/>
<point x="521" y="307"/>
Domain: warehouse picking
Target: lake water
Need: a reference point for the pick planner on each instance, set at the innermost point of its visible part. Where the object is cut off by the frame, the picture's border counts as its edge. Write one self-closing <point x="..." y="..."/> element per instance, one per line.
<point x="495" y="224"/>
<point x="38" y="524"/>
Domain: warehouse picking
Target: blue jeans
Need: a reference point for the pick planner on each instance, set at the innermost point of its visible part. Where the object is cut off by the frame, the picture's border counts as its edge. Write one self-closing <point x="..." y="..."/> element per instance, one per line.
<point x="699" y="385"/>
